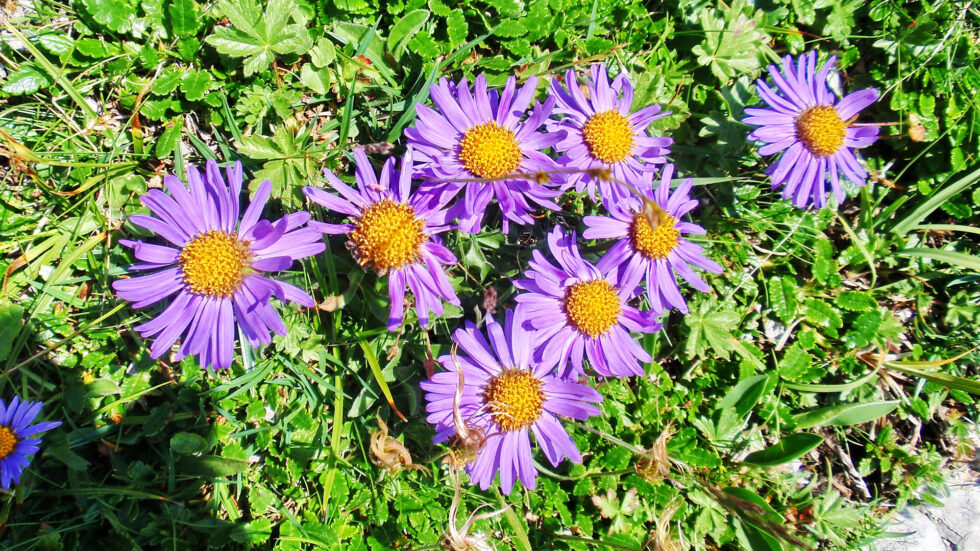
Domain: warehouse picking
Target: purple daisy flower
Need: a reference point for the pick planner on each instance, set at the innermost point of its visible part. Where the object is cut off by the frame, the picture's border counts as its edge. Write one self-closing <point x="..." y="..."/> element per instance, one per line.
<point x="16" y="443"/>
<point x="481" y="134"/>
<point x="658" y="252"/>
<point x="214" y="264"/>
<point x="577" y="311"/>
<point x="394" y="231"/>
<point x="602" y="133"/>
<point x="812" y="129"/>
<point x="507" y="395"/>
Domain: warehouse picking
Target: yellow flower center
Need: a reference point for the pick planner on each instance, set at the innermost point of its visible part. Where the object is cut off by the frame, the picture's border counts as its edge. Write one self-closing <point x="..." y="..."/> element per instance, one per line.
<point x="609" y="136"/>
<point x="215" y="263"/>
<point x="821" y="130"/>
<point x="489" y="151"/>
<point x="388" y="235"/>
<point x="593" y="307"/>
<point x="654" y="243"/>
<point x="515" y="397"/>
<point x="8" y="442"/>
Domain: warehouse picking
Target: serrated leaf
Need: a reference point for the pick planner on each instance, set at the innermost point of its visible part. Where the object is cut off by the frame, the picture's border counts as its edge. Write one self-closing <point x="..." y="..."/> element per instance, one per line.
<point x="782" y="297"/>
<point x="864" y="329"/>
<point x="856" y="301"/>
<point x="710" y="329"/>
<point x="57" y="43"/>
<point x="115" y="15"/>
<point x="25" y="80"/>
<point x="844" y="414"/>
<point x="510" y="28"/>
<point x="425" y="45"/>
<point x="457" y="28"/>
<point x="257" y="147"/>
<point x="821" y="314"/>
<point x="254" y="532"/>
<point x="794" y="363"/>
<point x="167" y="81"/>
<point x="195" y="84"/>
<point x="184" y="17"/>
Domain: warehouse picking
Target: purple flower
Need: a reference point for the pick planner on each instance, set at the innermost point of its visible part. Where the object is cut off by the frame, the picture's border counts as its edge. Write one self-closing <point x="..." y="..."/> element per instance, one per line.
<point x="394" y="231"/>
<point x="481" y="134"/>
<point x="660" y="253"/>
<point x="812" y="129"/>
<point x="214" y="264"/>
<point x="601" y="132"/>
<point x="507" y="395"/>
<point x="577" y="310"/>
<point x="16" y="443"/>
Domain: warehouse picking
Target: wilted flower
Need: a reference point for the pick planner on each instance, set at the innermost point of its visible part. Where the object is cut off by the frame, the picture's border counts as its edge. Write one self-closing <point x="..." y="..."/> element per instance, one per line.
<point x="812" y="129"/>
<point x="393" y="231"/>
<point x="214" y="264"/>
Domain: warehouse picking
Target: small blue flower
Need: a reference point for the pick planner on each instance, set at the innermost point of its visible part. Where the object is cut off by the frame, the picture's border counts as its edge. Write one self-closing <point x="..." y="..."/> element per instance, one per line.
<point x="16" y="443"/>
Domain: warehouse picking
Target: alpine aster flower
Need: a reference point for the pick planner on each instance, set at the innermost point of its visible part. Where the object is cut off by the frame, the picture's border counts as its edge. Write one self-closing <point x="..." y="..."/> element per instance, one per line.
<point x="508" y="395"/>
<point x="393" y="231"/>
<point x="812" y="129"/>
<point x="601" y="132"/>
<point x="578" y="311"/>
<point x="481" y="135"/>
<point x="16" y="443"/>
<point x="659" y="253"/>
<point x="214" y="264"/>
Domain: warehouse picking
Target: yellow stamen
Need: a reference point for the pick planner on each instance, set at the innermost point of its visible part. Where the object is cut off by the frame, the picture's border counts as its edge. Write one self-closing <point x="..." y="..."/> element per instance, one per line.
<point x="489" y="151"/>
<point x="8" y="442"/>
<point x="609" y="136"/>
<point x="215" y="263"/>
<point x="516" y="398"/>
<point x="592" y="307"/>
<point x="821" y="130"/>
<point x="388" y="235"/>
<point x="654" y="243"/>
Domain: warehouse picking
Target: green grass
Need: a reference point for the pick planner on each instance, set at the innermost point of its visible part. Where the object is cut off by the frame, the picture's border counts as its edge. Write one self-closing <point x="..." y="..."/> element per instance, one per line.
<point x="844" y="339"/>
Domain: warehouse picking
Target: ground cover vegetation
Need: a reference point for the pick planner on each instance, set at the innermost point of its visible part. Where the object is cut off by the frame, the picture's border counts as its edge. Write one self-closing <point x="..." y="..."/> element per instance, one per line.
<point x="569" y="249"/>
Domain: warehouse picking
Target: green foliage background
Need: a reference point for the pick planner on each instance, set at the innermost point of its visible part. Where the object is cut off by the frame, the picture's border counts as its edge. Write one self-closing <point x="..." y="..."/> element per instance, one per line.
<point x="803" y="398"/>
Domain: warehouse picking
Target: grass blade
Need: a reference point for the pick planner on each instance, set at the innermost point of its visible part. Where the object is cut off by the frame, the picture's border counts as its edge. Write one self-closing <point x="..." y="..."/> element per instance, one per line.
<point x="963" y="260"/>
<point x="934" y="201"/>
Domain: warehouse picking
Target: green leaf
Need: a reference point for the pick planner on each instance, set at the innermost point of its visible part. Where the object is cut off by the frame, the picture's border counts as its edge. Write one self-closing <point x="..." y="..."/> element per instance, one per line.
<point x="257" y="147"/>
<point x="782" y="297"/>
<point x="115" y="15"/>
<point x="457" y="28"/>
<point x="821" y="314"/>
<point x="195" y="84"/>
<point x="169" y="139"/>
<point x="25" y="80"/>
<point x="710" y="329"/>
<point x="10" y="325"/>
<point x="963" y="260"/>
<point x="167" y="81"/>
<point x="185" y="19"/>
<point x="211" y="466"/>
<point x="404" y="29"/>
<point x="856" y="301"/>
<point x="187" y="443"/>
<point x="254" y="532"/>
<point x="58" y="44"/>
<point x="258" y="36"/>
<point x="935" y="200"/>
<point x="795" y="362"/>
<point x="323" y="54"/>
<point x="789" y="448"/>
<point x="844" y="414"/>
<point x="744" y="395"/>
<point x="315" y="79"/>
<point x="864" y="329"/>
